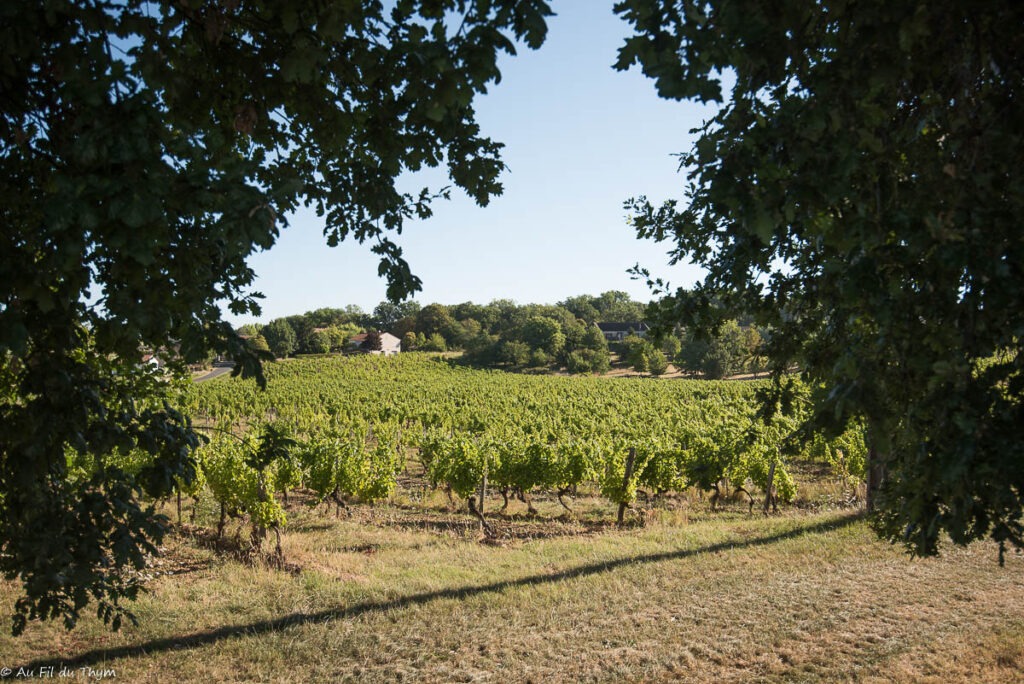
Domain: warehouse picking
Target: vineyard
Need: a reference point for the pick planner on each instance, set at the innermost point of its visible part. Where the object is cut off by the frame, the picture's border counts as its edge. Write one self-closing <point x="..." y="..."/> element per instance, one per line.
<point x="410" y="590"/>
<point x="345" y="429"/>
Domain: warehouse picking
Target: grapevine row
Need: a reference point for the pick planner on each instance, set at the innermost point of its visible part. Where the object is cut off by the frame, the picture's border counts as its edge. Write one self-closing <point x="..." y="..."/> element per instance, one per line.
<point x="353" y="422"/>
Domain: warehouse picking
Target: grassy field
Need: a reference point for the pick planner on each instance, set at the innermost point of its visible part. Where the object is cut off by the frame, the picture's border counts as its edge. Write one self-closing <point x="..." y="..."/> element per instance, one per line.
<point x="409" y="592"/>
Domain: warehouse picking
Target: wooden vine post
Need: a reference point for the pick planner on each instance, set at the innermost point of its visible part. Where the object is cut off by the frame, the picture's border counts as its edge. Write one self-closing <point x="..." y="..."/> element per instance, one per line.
<point x="771" y="481"/>
<point x="630" y="462"/>
<point x="483" y="490"/>
<point x="478" y="510"/>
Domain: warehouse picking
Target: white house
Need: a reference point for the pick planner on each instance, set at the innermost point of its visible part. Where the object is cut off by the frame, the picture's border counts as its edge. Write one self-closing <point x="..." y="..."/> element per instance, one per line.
<point x="389" y="344"/>
<point x="616" y="332"/>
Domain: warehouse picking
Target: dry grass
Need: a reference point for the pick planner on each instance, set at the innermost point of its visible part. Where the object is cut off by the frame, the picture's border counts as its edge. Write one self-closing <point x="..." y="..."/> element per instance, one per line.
<point x="407" y="592"/>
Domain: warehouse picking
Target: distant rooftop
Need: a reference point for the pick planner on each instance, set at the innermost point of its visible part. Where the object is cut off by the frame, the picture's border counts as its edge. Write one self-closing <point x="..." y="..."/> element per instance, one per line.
<point x="635" y="326"/>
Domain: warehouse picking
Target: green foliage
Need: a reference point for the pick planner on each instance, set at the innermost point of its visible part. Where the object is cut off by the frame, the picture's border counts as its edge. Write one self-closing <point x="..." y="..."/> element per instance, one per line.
<point x="518" y="463"/>
<point x="670" y="345"/>
<point x="588" y="361"/>
<point x="147" y="149"/>
<point x="372" y="342"/>
<point x="433" y="343"/>
<point x="227" y="464"/>
<point x="387" y="315"/>
<point x="857" y="193"/>
<point x="383" y="462"/>
<point x="525" y="432"/>
<point x="275" y="443"/>
<point x="288" y="471"/>
<point x="460" y="463"/>
<point x="575" y="462"/>
<point x="726" y="352"/>
<point x="470" y="330"/>
<point x="539" y="359"/>
<point x="482" y="350"/>
<point x="847" y="453"/>
<point x="665" y="466"/>
<point x="719" y="353"/>
<point x="328" y="460"/>
<point x="319" y="342"/>
<point x="360" y="462"/>
<point x="643" y="356"/>
<point x="242" y="475"/>
<point x="514" y="352"/>
<point x="317" y="332"/>
<point x="711" y="457"/>
<point x="692" y="352"/>
<point x="582" y="307"/>
<point x="657" y="364"/>
<point x="614" y="485"/>
<point x="73" y="524"/>
<point x="613" y="306"/>
<point x="594" y="339"/>
<point x="616" y="306"/>
<point x="434" y="320"/>
<point x="281" y="337"/>
<point x="634" y="350"/>
<point x="753" y="350"/>
<point x="543" y="334"/>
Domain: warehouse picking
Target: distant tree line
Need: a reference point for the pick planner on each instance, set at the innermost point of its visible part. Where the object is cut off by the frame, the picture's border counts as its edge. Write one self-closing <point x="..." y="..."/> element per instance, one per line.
<point x="504" y="334"/>
<point x="324" y="330"/>
<point x="501" y="333"/>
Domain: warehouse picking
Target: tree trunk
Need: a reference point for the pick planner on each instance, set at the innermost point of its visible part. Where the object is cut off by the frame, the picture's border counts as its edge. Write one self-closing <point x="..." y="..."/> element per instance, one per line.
<point x="278" y="551"/>
<point x="561" y="493"/>
<point x="484" y="526"/>
<point x="876" y="475"/>
<point x="750" y="496"/>
<point x="223" y="520"/>
<point x="875" y="467"/>
<point x="339" y="503"/>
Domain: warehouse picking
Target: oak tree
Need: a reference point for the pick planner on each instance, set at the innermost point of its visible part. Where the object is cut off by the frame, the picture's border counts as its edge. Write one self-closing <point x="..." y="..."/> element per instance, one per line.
<point x="858" y="191"/>
<point x="281" y="337"/>
<point x="147" y="148"/>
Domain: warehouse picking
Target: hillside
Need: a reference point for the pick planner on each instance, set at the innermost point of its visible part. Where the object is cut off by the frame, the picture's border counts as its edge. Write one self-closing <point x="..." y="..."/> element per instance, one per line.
<point x="384" y="576"/>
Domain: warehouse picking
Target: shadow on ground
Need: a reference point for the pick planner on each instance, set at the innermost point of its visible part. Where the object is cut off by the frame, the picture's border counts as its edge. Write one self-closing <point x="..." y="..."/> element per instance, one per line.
<point x="200" y="639"/>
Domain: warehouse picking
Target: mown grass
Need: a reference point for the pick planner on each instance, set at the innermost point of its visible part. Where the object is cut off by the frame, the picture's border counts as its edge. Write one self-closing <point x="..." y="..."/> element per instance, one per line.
<point x="409" y="592"/>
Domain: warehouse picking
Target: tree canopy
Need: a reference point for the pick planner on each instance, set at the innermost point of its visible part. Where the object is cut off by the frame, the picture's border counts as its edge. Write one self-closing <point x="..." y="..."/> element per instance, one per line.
<point x="858" y="193"/>
<point x="147" y="148"/>
<point x="281" y="337"/>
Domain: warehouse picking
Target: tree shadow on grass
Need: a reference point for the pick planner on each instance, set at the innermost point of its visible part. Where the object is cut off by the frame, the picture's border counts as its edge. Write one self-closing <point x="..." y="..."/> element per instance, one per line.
<point x="508" y="528"/>
<point x="297" y="619"/>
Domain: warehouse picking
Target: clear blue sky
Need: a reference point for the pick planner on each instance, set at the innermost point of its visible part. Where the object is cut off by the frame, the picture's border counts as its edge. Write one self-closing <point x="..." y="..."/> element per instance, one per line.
<point x="580" y="139"/>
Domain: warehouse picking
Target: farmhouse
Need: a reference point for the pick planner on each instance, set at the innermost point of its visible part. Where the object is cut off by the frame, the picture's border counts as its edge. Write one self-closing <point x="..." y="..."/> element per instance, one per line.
<point x="616" y="332"/>
<point x="389" y="344"/>
<point x="152" y="360"/>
